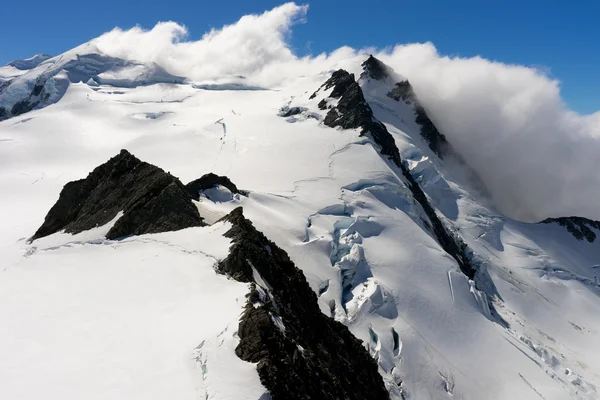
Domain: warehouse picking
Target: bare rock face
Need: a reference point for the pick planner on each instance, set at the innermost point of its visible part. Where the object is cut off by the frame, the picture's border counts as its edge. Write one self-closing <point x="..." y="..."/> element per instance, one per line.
<point x="353" y="112"/>
<point x="300" y="352"/>
<point x="152" y="201"/>
<point x="436" y="140"/>
<point x="403" y="91"/>
<point x="581" y="228"/>
<point x="208" y="181"/>
<point x="375" y="69"/>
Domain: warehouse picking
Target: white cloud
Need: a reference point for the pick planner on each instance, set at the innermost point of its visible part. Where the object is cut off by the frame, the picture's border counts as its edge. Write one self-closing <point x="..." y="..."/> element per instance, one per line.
<point x="536" y="157"/>
<point x="239" y="49"/>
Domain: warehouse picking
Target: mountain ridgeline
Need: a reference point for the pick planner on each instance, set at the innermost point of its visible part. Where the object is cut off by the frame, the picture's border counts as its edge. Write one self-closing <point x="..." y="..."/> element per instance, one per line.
<point x="404" y="275"/>
<point x="150" y="199"/>
<point x="353" y="112"/>
<point x="300" y="352"/>
<point x="403" y="90"/>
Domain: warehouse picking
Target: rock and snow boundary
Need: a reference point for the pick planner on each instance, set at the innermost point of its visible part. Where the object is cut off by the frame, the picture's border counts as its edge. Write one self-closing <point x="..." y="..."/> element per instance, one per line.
<point x="386" y="235"/>
<point x="299" y="352"/>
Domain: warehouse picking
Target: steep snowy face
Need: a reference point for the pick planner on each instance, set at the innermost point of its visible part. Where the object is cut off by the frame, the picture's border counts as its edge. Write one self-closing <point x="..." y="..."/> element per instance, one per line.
<point x="282" y="328"/>
<point x="19" y="67"/>
<point x="379" y="81"/>
<point x="42" y="80"/>
<point x="489" y="241"/>
<point x="364" y="264"/>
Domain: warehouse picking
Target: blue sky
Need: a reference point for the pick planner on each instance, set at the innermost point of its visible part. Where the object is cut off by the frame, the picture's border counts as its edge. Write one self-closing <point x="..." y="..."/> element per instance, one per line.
<point x="561" y="37"/>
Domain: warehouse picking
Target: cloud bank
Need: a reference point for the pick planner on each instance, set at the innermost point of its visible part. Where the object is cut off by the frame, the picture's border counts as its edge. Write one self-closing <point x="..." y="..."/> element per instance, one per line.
<point x="536" y="157"/>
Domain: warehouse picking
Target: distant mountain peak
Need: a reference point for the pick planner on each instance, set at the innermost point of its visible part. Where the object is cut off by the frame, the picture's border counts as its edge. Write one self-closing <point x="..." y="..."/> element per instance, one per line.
<point x="375" y="69"/>
<point x="31" y="62"/>
<point x="581" y="228"/>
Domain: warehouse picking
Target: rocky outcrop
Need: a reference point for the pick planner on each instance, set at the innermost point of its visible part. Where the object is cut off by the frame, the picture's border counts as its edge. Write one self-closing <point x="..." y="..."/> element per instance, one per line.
<point x="581" y="228"/>
<point x="4" y="84"/>
<point x="22" y="107"/>
<point x="37" y="96"/>
<point x="3" y="113"/>
<point x="375" y="69"/>
<point x="403" y="91"/>
<point x="300" y="352"/>
<point x="287" y="111"/>
<point x="436" y="141"/>
<point x="209" y="181"/>
<point x="340" y="81"/>
<point x="353" y="112"/>
<point x="151" y="200"/>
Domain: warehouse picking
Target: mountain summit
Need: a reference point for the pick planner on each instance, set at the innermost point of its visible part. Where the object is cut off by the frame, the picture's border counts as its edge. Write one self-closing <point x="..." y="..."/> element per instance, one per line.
<point x="322" y="239"/>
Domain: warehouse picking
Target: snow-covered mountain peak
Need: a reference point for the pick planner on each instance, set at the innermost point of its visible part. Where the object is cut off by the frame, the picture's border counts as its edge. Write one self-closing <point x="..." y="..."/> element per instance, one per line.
<point x="375" y="69"/>
<point x="313" y="241"/>
<point x="29" y="63"/>
<point x="43" y="80"/>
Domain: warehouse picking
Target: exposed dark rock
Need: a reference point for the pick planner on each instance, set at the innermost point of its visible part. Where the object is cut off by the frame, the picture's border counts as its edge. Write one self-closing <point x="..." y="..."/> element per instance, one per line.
<point x="340" y="81"/>
<point x="22" y="107"/>
<point x="208" y="181"/>
<point x="353" y="112"/>
<point x="402" y="90"/>
<point x="322" y="105"/>
<point x="581" y="228"/>
<point x="37" y="90"/>
<point x="4" y="85"/>
<point x="3" y="113"/>
<point x="287" y="111"/>
<point x="375" y="69"/>
<point x="301" y="353"/>
<point x="434" y="138"/>
<point x="152" y="201"/>
<point x="82" y="68"/>
<point x="36" y="97"/>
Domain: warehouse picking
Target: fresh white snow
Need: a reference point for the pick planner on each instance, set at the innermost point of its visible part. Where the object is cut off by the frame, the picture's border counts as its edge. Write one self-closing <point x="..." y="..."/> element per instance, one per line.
<point x="147" y="317"/>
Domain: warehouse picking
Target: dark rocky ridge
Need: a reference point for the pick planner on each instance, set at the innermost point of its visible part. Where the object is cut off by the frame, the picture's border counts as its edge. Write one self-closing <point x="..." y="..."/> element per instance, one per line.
<point x="208" y="181"/>
<point x="5" y="84"/>
<point x="375" y="69"/>
<point x="354" y="112"/>
<point x="37" y="96"/>
<point x="579" y="227"/>
<point x="287" y="111"/>
<point x="301" y="353"/>
<point x="435" y="139"/>
<point x="152" y="201"/>
<point x="340" y="81"/>
<point x="437" y="142"/>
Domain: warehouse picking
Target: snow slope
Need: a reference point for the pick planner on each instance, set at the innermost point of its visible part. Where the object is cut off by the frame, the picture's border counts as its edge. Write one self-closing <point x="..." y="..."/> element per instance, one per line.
<point x="86" y="317"/>
<point x="121" y="320"/>
<point x="41" y="80"/>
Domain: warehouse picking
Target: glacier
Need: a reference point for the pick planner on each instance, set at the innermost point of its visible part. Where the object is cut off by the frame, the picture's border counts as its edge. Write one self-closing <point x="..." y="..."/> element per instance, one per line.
<point x="149" y="316"/>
